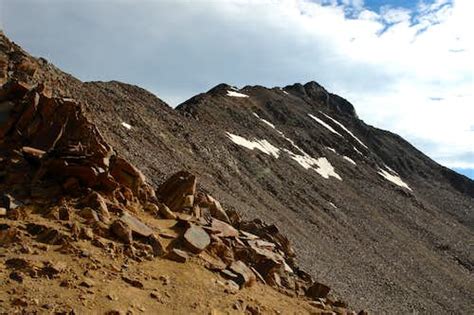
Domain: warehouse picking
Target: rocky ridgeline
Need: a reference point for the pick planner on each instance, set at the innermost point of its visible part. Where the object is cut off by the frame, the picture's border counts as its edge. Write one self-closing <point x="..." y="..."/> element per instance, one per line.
<point x="56" y="164"/>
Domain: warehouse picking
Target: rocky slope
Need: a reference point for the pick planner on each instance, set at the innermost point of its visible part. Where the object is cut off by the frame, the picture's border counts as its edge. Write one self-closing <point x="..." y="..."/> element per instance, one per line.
<point x="385" y="226"/>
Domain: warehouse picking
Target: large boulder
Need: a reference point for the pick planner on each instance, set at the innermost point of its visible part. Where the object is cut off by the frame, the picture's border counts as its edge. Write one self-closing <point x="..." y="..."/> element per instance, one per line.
<point x="174" y="191"/>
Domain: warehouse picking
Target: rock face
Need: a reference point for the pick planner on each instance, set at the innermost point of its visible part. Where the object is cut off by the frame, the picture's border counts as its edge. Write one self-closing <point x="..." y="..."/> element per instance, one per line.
<point x="282" y="155"/>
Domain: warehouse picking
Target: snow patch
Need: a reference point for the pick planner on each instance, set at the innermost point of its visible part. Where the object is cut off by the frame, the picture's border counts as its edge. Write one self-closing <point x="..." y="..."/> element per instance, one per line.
<point x="331" y="149"/>
<point x="128" y="126"/>
<point x="322" y="123"/>
<point x="393" y="178"/>
<point x="324" y="167"/>
<point x="235" y="94"/>
<point x="345" y="129"/>
<point x="262" y="145"/>
<point x="265" y="121"/>
<point x="348" y="159"/>
<point x="333" y="205"/>
<point x="284" y="92"/>
<point x="358" y="151"/>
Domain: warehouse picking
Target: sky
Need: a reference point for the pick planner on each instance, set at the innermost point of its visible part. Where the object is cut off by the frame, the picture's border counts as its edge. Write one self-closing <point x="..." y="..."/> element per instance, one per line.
<point x="407" y="66"/>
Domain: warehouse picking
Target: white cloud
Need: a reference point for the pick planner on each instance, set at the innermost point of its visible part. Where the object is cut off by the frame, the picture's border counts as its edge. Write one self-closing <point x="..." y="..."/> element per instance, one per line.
<point x="407" y="71"/>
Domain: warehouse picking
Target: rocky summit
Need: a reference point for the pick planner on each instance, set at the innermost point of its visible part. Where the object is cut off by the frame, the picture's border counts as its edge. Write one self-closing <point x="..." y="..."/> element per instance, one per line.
<point x="254" y="200"/>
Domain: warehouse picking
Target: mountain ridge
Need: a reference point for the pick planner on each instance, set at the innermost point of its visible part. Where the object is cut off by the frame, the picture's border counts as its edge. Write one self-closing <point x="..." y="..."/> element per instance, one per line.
<point x="374" y="240"/>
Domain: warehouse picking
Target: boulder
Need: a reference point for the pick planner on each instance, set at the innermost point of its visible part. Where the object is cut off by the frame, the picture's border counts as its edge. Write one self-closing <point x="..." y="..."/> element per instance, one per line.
<point x="178" y="255"/>
<point x="97" y="202"/>
<point x="196" y="239"/>
<point x="216" y="210"/>
<point x="136" y="225"/>
<point x="318" y="290"/>
<point x="174" y="190"/>
<point x="246" y="276"/>
<point x="222" y="229"/>
<point x="89" y="214"/>
<point x="167" y="213"/>
<point x="122" y="231"/>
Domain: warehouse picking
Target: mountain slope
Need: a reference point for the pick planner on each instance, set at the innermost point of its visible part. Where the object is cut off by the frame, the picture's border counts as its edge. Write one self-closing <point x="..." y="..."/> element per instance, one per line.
<point x="387" y="227"/>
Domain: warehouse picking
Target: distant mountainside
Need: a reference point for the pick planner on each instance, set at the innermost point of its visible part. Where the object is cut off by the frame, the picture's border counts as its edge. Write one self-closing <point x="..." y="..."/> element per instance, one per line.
<point x="386" y="227"/>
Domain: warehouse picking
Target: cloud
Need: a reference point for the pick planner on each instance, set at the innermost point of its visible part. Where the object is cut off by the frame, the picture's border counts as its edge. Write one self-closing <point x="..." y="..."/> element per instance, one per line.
<point x="406" y="70"/>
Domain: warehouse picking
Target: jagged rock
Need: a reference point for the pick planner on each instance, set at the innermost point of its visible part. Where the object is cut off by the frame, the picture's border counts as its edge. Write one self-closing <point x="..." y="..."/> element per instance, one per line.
<point x="136" y="225"/>
<point x="47" y="235"/>
<point x="222" y="229"/>
<point x="87" y="283"/>
<point x="178" y="255"/>
<point x="159" y="248"/>
<point x="122" y="231"/>
<point x="129" y="176"/>
<point x="8" y="235"/>
<point x="61" y="212"/>
<point x="318" y="290"/>
<point x="52" y="270"/>
<point x="246" y="275"/>
<point x="133" y="282"/>
<point x="221" y="250"/>
<point x="173" y="191"/>
<point x="188" y="201"/>
<point x="8" y="202"/>
<point x="89" y="214"/>
<point x="97" y="202"/>
<point x="216" y="210"/>
<point x="17" y="276"/>
<point x="196" y="239"/>
<point x="166" y="212"/>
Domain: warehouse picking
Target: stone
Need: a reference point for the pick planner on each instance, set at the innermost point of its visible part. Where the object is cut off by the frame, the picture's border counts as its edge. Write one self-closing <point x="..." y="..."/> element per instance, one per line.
<point x="222" y="229"/>
<point x="157" y="245"/>
<point x="247" y="277"/>
<point x="97" y="202"/>
<point x="188" y="201"/>
<point x="33" y="154"/>
<point x="221" y="250"/>
<point x="318" y="290"/>
<point x="89" y="214"/>
<point x="133" y="282"/>
<point x="127" y="175"/>
<point x="122" y="231"/>
<point x="51" y="270"/>
<point x="174" y="190"/>
<point x="340" y="303"/>
<point x="17" y="276"/>
<point x="87" y="283"/>
<point x="178" y="255"/>
<point x="20" y="302"/>
<point x="317" y="304"/>
<point x="136" y="225"/>
<point x="196" y="239"/>
<point x="216" y="210"/>
<point x="112" y="297"/>
<point x="8" y="202"/>
<point x="3" y="211"/>
<point x="167" y="213"/>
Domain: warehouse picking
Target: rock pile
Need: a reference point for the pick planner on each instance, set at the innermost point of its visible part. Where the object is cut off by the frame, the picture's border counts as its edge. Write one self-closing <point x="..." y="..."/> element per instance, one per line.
<point x="55" y="161"/>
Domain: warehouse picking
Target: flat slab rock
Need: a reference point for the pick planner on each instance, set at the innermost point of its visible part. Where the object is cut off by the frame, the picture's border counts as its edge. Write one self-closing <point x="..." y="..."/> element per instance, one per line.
<point x="223" y="229"/>
<point x="196" y="239"/>
<point x="136" y="225"/>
